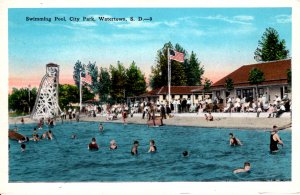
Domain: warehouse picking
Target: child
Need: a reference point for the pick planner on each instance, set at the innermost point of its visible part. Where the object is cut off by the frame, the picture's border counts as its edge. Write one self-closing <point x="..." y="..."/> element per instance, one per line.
<point x="134" y="148"/>
<point x="93" y="145"/>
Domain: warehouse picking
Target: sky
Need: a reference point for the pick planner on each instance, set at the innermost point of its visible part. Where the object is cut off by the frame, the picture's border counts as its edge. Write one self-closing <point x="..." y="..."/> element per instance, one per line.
<point x="222" y="38"/>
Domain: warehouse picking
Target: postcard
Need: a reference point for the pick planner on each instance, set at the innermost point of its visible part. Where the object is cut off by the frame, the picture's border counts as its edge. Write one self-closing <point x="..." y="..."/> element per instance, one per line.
<point x="149" y="98"/>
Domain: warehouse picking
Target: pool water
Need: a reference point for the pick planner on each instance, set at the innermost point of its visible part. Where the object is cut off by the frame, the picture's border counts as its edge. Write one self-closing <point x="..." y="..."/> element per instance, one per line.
<point x="211" y="158"/>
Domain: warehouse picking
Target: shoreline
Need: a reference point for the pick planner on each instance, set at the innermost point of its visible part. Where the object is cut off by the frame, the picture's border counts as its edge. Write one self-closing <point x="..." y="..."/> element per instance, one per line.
<point x="245" y="121"/>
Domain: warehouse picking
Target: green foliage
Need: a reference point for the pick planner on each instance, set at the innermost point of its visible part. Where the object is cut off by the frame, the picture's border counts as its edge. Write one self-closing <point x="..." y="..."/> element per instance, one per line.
<point x="70" y="94"/>
<point x="187" y="73"/>
<point x="229" y="84"/>
<point x="77" y="68"/>
<point x="193" y="71"/>
<point x="118" y="82"/>
<point x="270" y="47"/>
<point x="256" y="76"/>
<point x="93" y="72"/>
<point x="135" y="81"/>
<point x="19" y="100"/>
<point x="207" y="84"/>
<point x="289" y="76"/>
<point x="104" y="84"/>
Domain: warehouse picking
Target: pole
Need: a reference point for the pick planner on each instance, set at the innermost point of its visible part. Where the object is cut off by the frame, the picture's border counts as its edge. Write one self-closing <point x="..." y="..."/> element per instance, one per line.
<point x="80" y="92"/>
<point x="29" y="98"/>
<point x="169" y="79"/>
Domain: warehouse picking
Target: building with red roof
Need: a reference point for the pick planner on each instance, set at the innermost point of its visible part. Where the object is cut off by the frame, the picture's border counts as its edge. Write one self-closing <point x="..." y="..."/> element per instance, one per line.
<point x="194" y="93"/>
<point x="275" y="83"/>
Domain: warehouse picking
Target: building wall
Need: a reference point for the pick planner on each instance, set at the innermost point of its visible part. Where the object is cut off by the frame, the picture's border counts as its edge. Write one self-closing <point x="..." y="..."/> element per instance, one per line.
<point x="271" y="91"/>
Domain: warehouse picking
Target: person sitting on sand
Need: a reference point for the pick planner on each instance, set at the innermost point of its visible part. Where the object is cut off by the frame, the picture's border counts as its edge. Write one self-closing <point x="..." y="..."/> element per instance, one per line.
<point x="134" y="149"/>
<point x="275" y="139"/>
<point x="246" y="168"/>
<point x="209" y="117"/>
<point x="23" y="147"/>
<point x="22" y="120"/>
<point x="113" y="145"/>
<point x="152" y="148"/>
<point x="93" y="145"/>
<point x="233" y="141"/>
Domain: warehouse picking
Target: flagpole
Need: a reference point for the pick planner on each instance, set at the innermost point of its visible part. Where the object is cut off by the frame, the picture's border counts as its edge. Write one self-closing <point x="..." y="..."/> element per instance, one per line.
<point x="80" y="92"/>
<point x="169" y="78"/>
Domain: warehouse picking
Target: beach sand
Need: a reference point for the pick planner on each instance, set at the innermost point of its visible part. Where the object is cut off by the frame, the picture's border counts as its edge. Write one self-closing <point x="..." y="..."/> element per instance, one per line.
<point x="221" y="120"/>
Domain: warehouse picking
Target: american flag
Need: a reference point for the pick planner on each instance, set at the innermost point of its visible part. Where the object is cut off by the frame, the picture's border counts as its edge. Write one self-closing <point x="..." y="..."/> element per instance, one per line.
<point x="177" y="56"/>
<point x="87" y="79"/>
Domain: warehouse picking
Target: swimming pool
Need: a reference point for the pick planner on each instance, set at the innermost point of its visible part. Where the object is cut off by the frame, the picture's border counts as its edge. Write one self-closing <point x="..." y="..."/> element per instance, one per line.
<point x="211" y="158"/>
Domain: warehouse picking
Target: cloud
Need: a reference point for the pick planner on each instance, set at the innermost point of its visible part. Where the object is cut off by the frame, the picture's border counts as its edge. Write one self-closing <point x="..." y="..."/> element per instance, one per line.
<point x="233" y="20"/>
<point x="243" y="18"/>
<point x="283" y="19"/>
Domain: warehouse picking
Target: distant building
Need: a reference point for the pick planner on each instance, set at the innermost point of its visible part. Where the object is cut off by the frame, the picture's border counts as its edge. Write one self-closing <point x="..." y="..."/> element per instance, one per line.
<point x="194" y="93"/>
<point x="276" y="83"/>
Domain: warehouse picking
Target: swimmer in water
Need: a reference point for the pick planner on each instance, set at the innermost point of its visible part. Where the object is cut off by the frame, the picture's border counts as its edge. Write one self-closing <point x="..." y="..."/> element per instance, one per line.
<point x="23" y="147"/>
<point x="101" y="128"/>
<point x="134" y="148"/>
<point x="185" y="153"/>
<point x="246" y="168"/>
<point x="113" y="145"/>
<point x="50" y="135"/>
<point x="275" y="140"/>
<point x="93" y="145"/>
<point x="152" y="148"/>
<point x="73" y="136"/>
<point x="233" y="141"/>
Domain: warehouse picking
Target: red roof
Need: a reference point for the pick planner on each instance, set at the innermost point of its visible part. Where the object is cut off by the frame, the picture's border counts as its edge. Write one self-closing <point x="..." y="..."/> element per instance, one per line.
<point x="175" y="90"/>
<point x="275" y="72"/>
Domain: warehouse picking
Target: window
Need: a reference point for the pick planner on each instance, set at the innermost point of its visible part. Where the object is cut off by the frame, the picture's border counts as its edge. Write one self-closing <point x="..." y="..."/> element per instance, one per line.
<point x="248" y="92"/>
<point x="196" y="96"/>
<point x="238" y="93"/>
<point x="180" y="96"/>
<point x="173" y="96"/>
<point x="218" y="93"/>
<point x="164" y="97"/>
<point x="260" y="92"/>
<point x="189" y="96"/>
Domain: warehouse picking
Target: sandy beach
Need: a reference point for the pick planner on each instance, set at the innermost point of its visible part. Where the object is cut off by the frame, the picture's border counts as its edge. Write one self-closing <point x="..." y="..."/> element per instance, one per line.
<point x="222" y="120"/>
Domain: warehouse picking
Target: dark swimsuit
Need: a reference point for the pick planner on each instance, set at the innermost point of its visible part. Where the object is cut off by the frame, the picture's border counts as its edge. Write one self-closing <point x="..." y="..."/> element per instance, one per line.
<point x="93" y="146"/>
<point x="235" y="142"/>
<point x="273" y="144"/>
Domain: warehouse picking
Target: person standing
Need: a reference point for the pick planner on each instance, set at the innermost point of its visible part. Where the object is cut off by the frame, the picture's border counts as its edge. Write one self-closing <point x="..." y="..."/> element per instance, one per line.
<point x="163" y="112"/>
<point x="275" y="140"/>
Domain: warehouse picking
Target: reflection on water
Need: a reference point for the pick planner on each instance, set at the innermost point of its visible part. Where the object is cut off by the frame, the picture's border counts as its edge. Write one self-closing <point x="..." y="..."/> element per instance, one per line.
<point x="211" y="158"/>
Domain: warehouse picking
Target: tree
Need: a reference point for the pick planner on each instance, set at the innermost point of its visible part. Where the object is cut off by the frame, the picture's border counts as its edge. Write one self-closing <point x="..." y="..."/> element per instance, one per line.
<point x="19" y="100"/>
<point x="78" y="67"/>
<point x="104" y="84"/>
<point x="207" y="85"/>
<point x="135" y="81"/>
<point x="256" y="76"/>
<point x="70" y="94"/>
<point x="118" y="82"/>
<point x="193" y="71"/>
<point x="289" y="77"/>
<point x="228" y="84"/>
<point x="159" y="73"/>
<point x="270" y="47"/>
<point x="93" y="72"/>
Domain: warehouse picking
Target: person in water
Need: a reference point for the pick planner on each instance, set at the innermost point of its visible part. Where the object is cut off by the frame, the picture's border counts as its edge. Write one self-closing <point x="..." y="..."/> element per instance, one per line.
<point x="93" y="145"/>
<point x="113" y="145"/>
<point x="152" y="148"/>
<point x="275" y="140"/>
<point x="233" y="141"/>
<point x="23" y="147"/>
<point x="246" y="168"/>
<point x="73" y="136"/>
<point x="49" y="135"/>
<point x="101" y="128"/>
<point x="185" y="153"/>
<point x="134" y="149"/>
